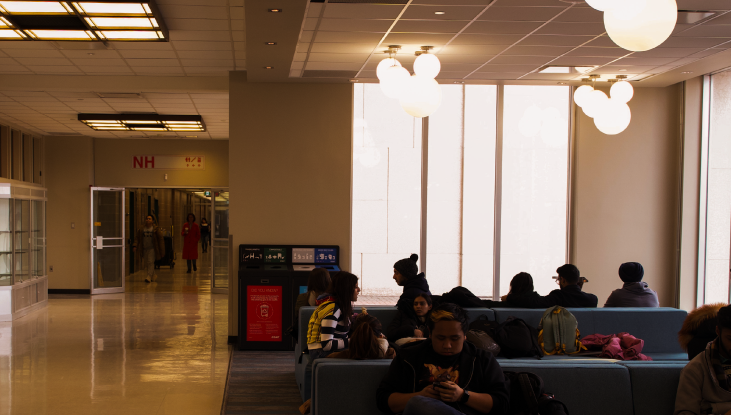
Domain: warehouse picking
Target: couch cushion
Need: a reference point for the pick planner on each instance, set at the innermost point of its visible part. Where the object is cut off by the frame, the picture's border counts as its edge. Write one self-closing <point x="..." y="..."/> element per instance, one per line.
<point x="658" y="327"/>
<point x="346" y="386"/>
<point x="654" y="386"/>
<point x="597" y="389"/>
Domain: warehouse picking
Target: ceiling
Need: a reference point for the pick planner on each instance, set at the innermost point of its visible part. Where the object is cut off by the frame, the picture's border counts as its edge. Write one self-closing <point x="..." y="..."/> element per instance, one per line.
<point x="44" y="85"/>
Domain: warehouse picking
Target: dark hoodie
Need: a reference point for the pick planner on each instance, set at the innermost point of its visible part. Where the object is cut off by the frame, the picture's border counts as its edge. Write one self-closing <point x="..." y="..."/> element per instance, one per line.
<point x="479" y="372"/>
<point x="633" y="294"/>
<point x="413" y="287"/>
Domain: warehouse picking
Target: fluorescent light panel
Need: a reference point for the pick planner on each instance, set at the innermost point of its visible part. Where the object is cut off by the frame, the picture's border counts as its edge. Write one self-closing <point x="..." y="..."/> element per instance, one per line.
<point x="130" y="34"/>
<point x="142" y="122"/>
<point x="120" y="22"/>
<point x="33" y="7"/>
<point x="10" y="34"/>
<point x="107" y="9"/>
<point x="62" y="34"/>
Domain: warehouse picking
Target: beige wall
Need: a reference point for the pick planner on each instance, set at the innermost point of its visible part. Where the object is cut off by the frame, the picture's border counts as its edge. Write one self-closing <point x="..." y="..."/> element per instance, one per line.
<point x="290" y="151"/>
<point x="626" y="193"/>
<point x="113" y="163"/>
<point x="68" y="175"/>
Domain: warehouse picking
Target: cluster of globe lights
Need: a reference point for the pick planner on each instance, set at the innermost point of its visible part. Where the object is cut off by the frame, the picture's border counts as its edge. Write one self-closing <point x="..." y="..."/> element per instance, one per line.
<point x="419" y="94"/>
<point x="638" y="25"/>
<point x="611" y="115"/>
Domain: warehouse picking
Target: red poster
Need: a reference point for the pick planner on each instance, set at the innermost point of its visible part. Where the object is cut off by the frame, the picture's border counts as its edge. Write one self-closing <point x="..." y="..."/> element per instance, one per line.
<point x="264" y="313"/>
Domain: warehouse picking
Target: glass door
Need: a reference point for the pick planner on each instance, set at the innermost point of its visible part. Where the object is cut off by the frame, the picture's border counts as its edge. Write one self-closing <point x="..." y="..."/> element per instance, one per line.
<point x="107" y="240"/>
<point x="219" y="241"/>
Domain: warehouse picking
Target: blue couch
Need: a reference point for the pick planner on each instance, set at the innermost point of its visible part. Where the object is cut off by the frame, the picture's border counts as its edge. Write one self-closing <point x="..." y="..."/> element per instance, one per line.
<point x="597" y="389"/>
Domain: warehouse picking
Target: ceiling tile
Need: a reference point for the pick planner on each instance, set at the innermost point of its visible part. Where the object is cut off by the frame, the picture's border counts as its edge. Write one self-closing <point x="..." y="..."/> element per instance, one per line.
<point x="456" y="50"/>
<point x="520" y="60"/>
<point x="195" y="12"/>
<point x="55" y="69"/>
<point x="98" y="62"/>
<point x="33" y="53"/>
<point x="190" y="45"/>
<point x="361" y="11"/>
<point x="429" y="26"/>
<point x="154" y="46"/>
<point x="582" y="61"/>
<point x="581" y="14"/>
<point x="495" y="75"/>
<point x="354" y="37"/>
<point x="204" y="54"/>
<point x="534" y="14"/>
<point x="319" y="47"/>
<point x="594" y="51"/>
<point x="464" y="58"/>
<point x="43" y="61"/>
<point x="153" y="62"/>
<point x="502" y="28"/>
<point x="332" y="66"/>
<point x="356" y="25"/>
<point x="667" y="53"/>
<point x="490" y="67"/>
<point x="693" y="42"/>
<point x="404" y="39"/>
<point x="551" y="51"/>
<point x="339" y="57"/>
<point x="201" y="35"/>
<point x="91" y="54"/>
<point x="197" y="24"/>
<point x="450" y="12"/>
<point x="571" y="28"/>
<point x="476" y="39"/>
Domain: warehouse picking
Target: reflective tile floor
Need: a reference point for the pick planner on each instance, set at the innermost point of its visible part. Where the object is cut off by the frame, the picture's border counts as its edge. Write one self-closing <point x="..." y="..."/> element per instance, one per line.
<point x="160" y="348"/>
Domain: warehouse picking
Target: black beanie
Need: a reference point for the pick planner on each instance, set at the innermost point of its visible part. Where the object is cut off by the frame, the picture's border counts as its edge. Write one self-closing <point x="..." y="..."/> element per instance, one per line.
<point x="631" y="272"/>
<point x="407" y="266"/>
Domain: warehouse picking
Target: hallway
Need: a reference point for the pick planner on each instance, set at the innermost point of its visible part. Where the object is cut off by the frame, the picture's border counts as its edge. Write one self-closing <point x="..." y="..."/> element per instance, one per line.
<point x="160" y="348"/>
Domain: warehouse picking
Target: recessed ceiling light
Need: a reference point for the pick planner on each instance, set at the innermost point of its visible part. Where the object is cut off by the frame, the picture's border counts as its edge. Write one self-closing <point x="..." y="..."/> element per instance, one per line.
<point x="270" y="43"/>
<point x="268" y="67"/>
<point x="687" y="72"/>
<point x="622" y="70"/>
<point x="440" y="12"/>
<point x="275" y="10"/>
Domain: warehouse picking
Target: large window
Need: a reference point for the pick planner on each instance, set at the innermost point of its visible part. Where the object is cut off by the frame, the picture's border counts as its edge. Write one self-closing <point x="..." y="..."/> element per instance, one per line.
<point x="461" y="141"/>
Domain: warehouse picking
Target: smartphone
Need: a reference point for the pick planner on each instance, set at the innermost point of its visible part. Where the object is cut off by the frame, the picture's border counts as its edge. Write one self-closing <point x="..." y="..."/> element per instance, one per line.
<point x="439" y="385"/>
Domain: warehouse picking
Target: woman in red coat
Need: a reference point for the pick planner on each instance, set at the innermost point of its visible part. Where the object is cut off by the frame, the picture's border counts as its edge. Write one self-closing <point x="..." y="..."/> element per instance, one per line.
<point x="190" y="243"/>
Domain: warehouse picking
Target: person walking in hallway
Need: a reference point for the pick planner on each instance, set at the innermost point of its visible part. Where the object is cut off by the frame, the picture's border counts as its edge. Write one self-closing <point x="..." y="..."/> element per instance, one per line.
<point x="192" y="235"/>
<point x="153" y="246"/>
<point x="205" y="234"/>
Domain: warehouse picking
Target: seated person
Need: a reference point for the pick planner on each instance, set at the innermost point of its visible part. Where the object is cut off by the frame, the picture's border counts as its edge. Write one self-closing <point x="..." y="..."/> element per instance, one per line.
<point x="366" y="341"/>
<point x="317" y="283"/>
<point x="705" y="383"/>
<point x="699" y="328"/>
<point x="329" y="325"/>
<point x="634" y="292"/>
<point x="444" y="374"/>
<point x="406" y="274"/>
<point x="570" y="294"/>
<point x="411" y="323"/>
<point x="520" y="286"/>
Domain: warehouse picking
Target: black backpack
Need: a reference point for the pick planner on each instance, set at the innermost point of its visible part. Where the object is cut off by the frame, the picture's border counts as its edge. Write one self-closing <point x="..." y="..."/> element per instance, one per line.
<point x="460" y="296"/>
<point x="528" y="397"/>
<point x="483" y="323"/>
<point x="517" y="339"/>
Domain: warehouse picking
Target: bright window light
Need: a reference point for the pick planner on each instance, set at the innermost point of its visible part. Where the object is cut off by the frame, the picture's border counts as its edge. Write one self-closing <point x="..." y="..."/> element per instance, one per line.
<point x="110" y="8"/>
<point x="23" y="7"/>
<point x="9" y="34"/>
<point x="62" y="34"/>
<point x="120" y="22"/>
<point x="128" y="34"/>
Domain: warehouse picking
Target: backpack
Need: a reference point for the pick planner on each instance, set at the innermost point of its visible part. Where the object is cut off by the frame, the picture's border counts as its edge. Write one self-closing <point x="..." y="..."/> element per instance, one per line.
<point x="483" y="341"/>
<point x="528" y="397"/>
<point x="517" y="339"/>
<point x="559" y="332"/>
<point x="483" y="323"/>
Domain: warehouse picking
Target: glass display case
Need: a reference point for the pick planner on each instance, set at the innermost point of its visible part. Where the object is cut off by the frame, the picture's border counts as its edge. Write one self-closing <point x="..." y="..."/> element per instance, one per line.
<point x="23" y="276"/>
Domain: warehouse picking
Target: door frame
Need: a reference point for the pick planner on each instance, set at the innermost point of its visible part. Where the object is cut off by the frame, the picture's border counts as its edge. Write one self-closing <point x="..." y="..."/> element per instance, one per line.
<point x="92" y="242"/>
<point x="215" y="289"/>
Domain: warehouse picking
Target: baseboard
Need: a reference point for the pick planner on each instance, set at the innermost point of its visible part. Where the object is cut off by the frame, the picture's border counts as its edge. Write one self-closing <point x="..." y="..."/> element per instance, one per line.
<point x="233" y="339"/>
<point x="68" y="291"/>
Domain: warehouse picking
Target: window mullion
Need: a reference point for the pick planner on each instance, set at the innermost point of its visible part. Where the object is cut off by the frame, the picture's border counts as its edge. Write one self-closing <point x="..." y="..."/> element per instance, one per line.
<point x="498" y="193"/>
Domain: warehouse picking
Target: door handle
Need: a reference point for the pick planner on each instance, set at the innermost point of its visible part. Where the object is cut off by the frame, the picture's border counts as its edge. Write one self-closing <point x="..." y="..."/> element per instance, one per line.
<point x="99" y="242"/>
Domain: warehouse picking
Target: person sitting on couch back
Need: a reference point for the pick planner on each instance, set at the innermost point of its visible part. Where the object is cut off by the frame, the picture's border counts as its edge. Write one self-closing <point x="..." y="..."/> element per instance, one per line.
<point x="705" y="383"/>
<point x="634" y="292"/>
<point x="569" y="295"/>
<point x="444" y="375"/>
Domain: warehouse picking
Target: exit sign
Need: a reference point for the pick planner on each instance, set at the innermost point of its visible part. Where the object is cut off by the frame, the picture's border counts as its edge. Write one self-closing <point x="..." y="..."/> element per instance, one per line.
<point x="207" y="193"/>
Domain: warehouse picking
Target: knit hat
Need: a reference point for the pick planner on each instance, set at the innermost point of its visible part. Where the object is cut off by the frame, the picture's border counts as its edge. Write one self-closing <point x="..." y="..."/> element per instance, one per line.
<point x="407" y="266"/>
<point x="631" y="272"/>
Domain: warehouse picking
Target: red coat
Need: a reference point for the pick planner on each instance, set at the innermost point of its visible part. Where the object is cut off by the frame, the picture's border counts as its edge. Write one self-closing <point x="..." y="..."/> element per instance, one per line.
<point x="190" y="242"/>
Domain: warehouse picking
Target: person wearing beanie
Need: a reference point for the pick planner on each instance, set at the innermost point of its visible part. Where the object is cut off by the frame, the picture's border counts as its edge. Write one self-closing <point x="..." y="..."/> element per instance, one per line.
<point x="705" y="382"/>
<point x="634" y="292"/>
<point x="406" y="274"/>
<point x="569" y="294"/>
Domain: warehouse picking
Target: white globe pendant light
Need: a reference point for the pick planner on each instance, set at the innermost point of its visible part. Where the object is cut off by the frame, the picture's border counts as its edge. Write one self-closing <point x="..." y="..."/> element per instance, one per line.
<point x="421" y="96"/>
<point x="393" y="80"/>
<point x="582" y="94"/>
<point x="427" y="65"/>
<point x="595" y="103"/>
<point x="644" y="27"/>
<point x="621" y="91"/>
<point x="601" y="5"/>
<point x="385" y="64"/>
<point x="614" y="119"/>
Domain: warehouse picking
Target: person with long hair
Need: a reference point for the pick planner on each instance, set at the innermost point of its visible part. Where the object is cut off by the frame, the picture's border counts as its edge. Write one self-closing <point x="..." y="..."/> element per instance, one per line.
<point x="366" y="341"/>
<point x="329" y="325"/>
<point x="191" y="236"/>
<point x="317" y="284"/>
<point x="411" y="323"/>
<point x="521" y="286"/>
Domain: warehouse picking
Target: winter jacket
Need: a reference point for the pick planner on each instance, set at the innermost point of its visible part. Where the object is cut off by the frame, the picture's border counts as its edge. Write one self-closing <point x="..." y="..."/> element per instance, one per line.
<point x="568" y="296"/>
<point x="404" y="324"/>
<point x="479" y="372"/>
<point x="157" y="242"/>
<point x="699" y="391"/>
<point x="633" y="294"/>
<point x="698" y="329"/>
<point x="328" y="327"/>
<point x="413" y="287"/>
<point x="190" y="241"/>
<point x="518" y="298"/>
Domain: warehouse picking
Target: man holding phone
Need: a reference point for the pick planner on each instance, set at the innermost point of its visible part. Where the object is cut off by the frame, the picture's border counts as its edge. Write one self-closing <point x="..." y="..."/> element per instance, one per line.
<point x="444" y="375"/>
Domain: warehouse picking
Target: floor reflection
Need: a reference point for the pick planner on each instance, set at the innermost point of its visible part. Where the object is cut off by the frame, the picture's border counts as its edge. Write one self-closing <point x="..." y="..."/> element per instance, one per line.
<point x="158" y="349"/>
